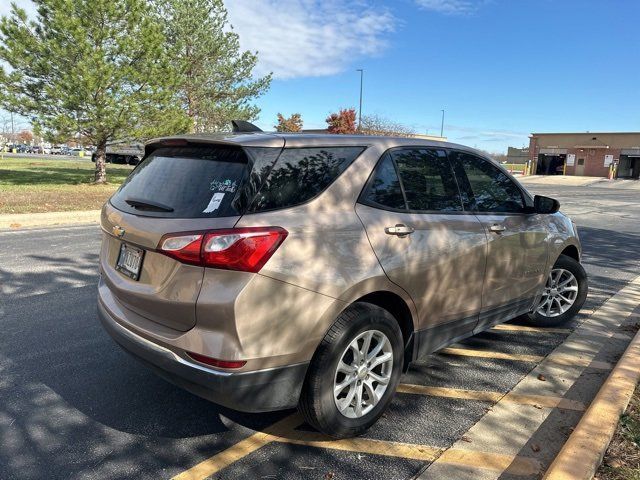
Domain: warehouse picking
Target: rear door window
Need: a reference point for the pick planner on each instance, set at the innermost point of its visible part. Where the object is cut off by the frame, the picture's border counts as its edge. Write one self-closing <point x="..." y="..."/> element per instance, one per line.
<point x="300" y="174"/>
<point x="185" y="182"/>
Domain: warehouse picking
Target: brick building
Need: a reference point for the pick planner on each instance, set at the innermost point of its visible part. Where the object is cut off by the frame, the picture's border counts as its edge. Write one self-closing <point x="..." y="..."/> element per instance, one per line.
<point x="588" y="154"/>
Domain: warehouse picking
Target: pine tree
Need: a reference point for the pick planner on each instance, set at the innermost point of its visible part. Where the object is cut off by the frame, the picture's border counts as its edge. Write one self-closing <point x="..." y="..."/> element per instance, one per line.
<point x="215" y="77"/>
<point x="97" y="68"/>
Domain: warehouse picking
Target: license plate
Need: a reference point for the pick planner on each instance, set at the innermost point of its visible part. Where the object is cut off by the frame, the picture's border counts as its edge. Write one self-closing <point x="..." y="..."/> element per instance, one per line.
<point x="130" y="261"/>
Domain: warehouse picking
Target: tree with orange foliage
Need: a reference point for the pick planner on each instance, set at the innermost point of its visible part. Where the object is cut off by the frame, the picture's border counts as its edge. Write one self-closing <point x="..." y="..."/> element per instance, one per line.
<point x="343" y="122"/>
<point x="291" y="124"/>
<point x="25" y="136"/>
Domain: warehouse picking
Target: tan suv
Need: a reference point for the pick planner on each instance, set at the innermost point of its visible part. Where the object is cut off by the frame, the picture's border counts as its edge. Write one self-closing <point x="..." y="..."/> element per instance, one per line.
<point x="269" y="271"/>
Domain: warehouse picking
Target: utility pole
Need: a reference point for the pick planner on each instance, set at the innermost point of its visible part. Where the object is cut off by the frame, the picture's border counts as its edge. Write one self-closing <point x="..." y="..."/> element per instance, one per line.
<point x="360" y="108"/>
<point x="442" y="125"/>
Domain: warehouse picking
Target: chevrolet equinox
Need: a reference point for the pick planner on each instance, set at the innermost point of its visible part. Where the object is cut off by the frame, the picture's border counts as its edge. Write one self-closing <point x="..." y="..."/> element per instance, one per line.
<point x="267" y="271"/>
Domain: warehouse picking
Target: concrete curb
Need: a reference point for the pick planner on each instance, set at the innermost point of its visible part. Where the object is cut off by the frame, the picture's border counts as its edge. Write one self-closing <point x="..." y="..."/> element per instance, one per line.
<point x="582" y="454"/>
<point x="27" y="220"/>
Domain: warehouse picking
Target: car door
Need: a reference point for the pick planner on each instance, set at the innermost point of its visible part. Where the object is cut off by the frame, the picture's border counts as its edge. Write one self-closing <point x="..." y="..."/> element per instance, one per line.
<point x="517" y="238"/>
<point x="425" y="241"/>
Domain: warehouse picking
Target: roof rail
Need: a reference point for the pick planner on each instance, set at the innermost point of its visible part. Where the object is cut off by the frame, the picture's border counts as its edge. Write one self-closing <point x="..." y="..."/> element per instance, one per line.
<point x="241" y="126"/>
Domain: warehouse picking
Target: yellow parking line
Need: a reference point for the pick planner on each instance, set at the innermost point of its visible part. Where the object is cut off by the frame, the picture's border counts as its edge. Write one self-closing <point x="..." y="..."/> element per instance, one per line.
<point x="241" y="449"/>
<point x="520" y="466"/>
<point x="545" y="401"/>
<point x="519" y="357"/>
<point x="622" y="336"/>
<point x="515" y="465"/>
<point x="571" y="360"/>
<point x="509" y="327"/>
<point x="363" y="445"/>
<point x="466" y="352"/>
<point x="284" y="430"/>
<point x="450" y="392"/>
<point x="539" y="400"/>
<point x="523" y="328"/>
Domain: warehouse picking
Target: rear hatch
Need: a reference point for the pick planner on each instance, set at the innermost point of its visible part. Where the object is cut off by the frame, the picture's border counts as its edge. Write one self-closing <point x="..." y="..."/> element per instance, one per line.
<point x="179" y="187"/>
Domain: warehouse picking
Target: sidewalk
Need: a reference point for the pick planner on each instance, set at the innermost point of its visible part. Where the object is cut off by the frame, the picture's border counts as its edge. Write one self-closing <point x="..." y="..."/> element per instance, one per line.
<point x="532" y="435"/>
<point x="569" y="180"/>
<point x="576" y="181"/>
<point x="27" y="220"/>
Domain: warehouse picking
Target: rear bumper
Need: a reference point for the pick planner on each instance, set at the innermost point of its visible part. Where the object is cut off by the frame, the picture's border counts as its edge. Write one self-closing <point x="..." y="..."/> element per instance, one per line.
<point x="256" y="391"/>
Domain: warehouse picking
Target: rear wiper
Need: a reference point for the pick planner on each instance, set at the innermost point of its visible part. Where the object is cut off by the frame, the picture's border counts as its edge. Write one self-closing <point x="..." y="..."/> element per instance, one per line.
<point x="148" y="205"/>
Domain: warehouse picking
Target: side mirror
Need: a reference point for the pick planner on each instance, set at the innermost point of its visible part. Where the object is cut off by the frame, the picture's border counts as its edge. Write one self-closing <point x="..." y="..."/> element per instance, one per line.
<point x="545" y="205"/>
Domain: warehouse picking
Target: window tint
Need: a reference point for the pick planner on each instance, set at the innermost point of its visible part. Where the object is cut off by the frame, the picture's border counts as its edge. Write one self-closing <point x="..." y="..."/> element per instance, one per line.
<point x="261" y="161"/>
<point x="489" y="189"/>
<point x="300" y="174"/>
<point x="185" y="182"/>
<point x="221" y="181"/>
<point x="384" y="187"/>
<point x="427" y="179"/>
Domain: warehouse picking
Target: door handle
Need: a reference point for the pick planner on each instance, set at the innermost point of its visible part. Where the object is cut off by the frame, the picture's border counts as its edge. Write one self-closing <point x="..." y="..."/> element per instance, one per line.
<point x="497" y="228"/>
<point x="400" y="230"/>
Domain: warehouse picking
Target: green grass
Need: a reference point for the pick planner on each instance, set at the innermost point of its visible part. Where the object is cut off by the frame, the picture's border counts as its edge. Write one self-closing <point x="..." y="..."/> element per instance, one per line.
<point x="31" y="185"/>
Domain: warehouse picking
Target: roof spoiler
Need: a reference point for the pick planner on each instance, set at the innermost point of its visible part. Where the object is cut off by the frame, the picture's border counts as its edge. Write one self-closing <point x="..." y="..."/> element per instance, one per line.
<point x="241" y="126"/>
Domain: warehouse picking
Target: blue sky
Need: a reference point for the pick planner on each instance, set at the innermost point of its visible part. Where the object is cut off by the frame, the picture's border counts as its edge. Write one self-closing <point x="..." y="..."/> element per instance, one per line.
<point x="500" y="68"/>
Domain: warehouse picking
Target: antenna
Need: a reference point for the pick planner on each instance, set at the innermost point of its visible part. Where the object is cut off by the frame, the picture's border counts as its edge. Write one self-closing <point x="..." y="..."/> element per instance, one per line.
<point x="242" y="126"/>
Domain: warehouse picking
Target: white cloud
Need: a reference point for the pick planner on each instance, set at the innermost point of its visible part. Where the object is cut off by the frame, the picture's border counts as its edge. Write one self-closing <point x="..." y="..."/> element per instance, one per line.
<point x="301" y="38"/>
<point x="309" y="38"/>
<point x="5" y="7"/>
<point x="450" y="7"/>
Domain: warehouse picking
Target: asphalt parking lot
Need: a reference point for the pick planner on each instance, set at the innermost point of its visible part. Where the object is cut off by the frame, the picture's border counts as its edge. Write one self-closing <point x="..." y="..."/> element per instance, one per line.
<point x="73" y="405"/>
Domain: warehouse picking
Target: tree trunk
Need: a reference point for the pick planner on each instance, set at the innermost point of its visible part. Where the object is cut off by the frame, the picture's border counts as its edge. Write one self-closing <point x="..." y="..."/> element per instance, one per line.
<point x="100" y="156"/>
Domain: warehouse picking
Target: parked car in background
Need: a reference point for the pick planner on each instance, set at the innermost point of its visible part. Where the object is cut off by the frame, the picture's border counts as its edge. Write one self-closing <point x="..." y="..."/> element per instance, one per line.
<point x="122" y="152"/>
<point x="56" y="150"/>
<point x="80" y="152"/>
<point x="268" y="271"/>
<point x="37" y="149"/>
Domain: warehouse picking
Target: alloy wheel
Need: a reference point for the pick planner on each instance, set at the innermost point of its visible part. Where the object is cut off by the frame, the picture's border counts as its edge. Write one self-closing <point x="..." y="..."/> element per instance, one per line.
<point x="363" y="374"/>
<point x="560" y="293"/>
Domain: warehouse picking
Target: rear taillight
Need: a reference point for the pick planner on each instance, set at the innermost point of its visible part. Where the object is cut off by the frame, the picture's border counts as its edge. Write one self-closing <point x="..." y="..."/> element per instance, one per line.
<point x="244" y="249"/>
<point x="215" y="362"/>
<point x="185" y="248"/>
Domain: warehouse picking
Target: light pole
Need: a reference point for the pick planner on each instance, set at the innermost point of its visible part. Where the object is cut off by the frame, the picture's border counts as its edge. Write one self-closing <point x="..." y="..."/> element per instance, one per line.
<point x="360" y="108"/>
<point x="442" y="125"/>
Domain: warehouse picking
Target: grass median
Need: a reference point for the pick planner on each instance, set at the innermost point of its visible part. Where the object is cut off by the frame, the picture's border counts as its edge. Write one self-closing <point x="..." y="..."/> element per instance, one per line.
<point x="622" y="460"/>
<point x="37" y="185"/>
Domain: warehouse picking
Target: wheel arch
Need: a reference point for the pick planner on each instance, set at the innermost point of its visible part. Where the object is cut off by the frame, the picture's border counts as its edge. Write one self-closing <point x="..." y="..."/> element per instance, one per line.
<point x="398" y="308"/>
<point x="571" y="251"/>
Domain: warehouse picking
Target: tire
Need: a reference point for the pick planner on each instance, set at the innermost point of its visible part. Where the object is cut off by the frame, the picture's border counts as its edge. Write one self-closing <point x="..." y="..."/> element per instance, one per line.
<point x="317" y="402"/>
<point x="572" y="266"/>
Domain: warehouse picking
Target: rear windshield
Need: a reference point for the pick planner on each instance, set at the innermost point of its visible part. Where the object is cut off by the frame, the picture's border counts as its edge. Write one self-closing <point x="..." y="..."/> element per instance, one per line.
<point x="222" y="181"/>
<point x="184" y="183"/>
